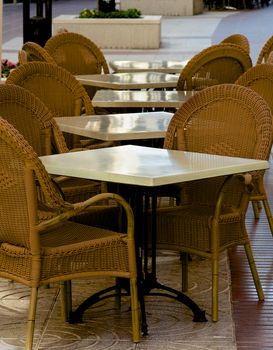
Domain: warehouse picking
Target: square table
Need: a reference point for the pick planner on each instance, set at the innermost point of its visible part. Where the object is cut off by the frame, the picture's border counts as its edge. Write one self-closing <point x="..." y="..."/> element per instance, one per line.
<point x="123" y="81"/>
<point x="118" y="127"/>
<point x="146" y="168"/>
<point x="165" y="66"/>
<point x="140" y="99"/>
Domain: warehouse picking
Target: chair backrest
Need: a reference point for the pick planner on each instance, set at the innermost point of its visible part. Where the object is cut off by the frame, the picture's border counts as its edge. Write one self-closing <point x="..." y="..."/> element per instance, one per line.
<point x="58" y="89"/>
<point x="265" y="51"/>
<point x="55" y="86"/>
<point x="28" y="114"/>
<point x="226" y="119"/>
<point x="34" y="52"/>
<point x="238" y="39"/>
<point x="270" y="58"/>
<point x="76" y="53"/>
<point x="20" y="169"/>
<point x="260" y="79"/>
<point x="217" y="64"/>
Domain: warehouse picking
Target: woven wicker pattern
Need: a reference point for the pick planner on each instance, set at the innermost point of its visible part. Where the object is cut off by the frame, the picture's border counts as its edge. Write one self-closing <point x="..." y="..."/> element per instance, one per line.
<point x="265" y="51"/>
<point x="59" y="90"/>
<point x="229" y="120"/>
<point x="217" y="64"/>
<point x="39" y="252"/>
<point x="238" y="39"/>
<point x="260" y="79"/>
<point x="76" y="53"/>
<point x="34" y="52"/>
<point x="28" y="114"/>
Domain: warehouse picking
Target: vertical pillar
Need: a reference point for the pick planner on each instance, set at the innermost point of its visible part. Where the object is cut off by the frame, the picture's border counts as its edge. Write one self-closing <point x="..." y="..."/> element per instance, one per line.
<point x="106" y="5"/>
<point x="37" y="28"/>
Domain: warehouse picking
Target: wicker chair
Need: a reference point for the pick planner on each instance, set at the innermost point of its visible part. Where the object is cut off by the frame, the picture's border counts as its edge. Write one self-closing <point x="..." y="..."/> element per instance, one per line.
<point x="60" y="92"/>
<point x="217" y="64"/>
<point x="36" y="252"/>
<point x="228" y="120"/>
<point x="265" y="51"/>
<point x="260" y="79"/>
<point x="270" y="58"/>
<point x="77" y="54"/>
<point x="31" y="117"/>
<point x="238" y="39"/>
<point x="34" y="52"/>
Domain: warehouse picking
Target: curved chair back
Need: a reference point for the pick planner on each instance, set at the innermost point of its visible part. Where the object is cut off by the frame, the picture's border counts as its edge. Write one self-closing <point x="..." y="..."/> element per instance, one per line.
<point x="265" y="51"/>
<point x="270" y="58"/>
<point x="217" y="64"/>
<point x="55" y="86"/>
<point x="76" y="53"/>
<point x="260" y="79"/>
<point x="237" y="39"/>
<point x="34" y="52"/>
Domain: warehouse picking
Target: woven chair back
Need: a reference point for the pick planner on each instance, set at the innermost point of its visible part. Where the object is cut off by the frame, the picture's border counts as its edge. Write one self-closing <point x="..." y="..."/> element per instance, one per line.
<point x="217" y="64"/>
<point x="260" y="79"/>
<point x="265" y="51"/>
<point x="76" y="53"/>
<point x="225" y="119"/>
<point x="238" y="39"/>
<point x="34" y="52"/>
<point x="28" y="114"/>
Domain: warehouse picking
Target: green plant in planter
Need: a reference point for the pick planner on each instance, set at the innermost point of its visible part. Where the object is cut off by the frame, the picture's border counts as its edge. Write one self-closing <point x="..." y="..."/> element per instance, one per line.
<point x="130" y="13"/>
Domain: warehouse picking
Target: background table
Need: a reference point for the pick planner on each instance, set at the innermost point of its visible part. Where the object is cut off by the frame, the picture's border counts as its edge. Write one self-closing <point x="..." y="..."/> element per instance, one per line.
<point x="121" y="66"/>
<point x="140" y="99"/>
<point x="118" y="127"/>
<point x="120" y="81"/>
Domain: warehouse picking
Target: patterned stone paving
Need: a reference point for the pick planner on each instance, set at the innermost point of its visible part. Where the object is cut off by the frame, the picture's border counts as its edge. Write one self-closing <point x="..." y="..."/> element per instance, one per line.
<point x="105" y="327"/>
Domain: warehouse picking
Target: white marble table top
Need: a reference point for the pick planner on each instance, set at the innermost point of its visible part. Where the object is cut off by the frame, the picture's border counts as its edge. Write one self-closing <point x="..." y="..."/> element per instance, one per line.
<point x="138" y="80"/>
<point x="118" y="127"/>
<point x="139" y="99"/>
<point x="146" y="166"/>
<point x="122" y="66"/>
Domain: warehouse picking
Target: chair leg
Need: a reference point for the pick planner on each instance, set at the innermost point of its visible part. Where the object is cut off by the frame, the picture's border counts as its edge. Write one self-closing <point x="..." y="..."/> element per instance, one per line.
<point x="184" y="262"/>
<point x="268" y="214"/>
<point x="66" y="300"/>
<point x="31" y="317"/>
<point x="256" y="209"/>
<point x="135" y="311"/>
<point x="254" y="272"/>
<point x="215" y="287"/>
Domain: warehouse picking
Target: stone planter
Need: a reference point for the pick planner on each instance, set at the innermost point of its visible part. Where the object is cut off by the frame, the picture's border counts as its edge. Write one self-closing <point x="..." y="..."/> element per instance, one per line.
<point x="165" y="7"/>
<point x="114" y="33"/>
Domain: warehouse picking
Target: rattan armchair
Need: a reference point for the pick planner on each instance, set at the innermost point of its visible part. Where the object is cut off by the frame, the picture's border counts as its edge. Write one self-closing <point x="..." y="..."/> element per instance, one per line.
<point x="61" y="93"/>
<point x="34" y="52"/>
<point x="217" y="64"/>
<point x="260" y="79"/>
<point x="265" y="51"/>
<point x="238" y="39"/>
<point x="37" y="252"/>
<point x="78" y="54"/>
<point x="228" y="120"/>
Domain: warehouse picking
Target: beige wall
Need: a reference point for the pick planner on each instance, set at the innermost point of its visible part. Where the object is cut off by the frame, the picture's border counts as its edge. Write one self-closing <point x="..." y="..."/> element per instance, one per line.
<point x="164" y="7"/>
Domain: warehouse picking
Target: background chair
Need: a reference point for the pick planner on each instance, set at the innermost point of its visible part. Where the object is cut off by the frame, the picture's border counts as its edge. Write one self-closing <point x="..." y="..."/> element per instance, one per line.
<point x="238" y="39"/>
<point x="28" y="114"/>
<point x="265" y="51"/>
<point x="61" y="93"/>
<point x="33" y="52"/>
<point x="77" y="54"/>
<point x="228" y="120"/>
<point x="217" y="64"/>
<point x="260" y="79"/>
<point x="38" y="252"/>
